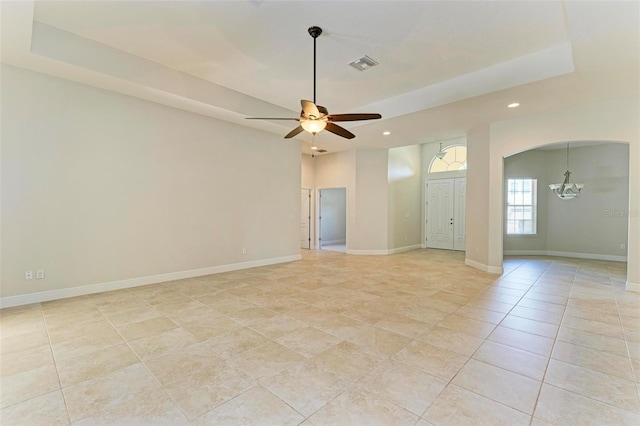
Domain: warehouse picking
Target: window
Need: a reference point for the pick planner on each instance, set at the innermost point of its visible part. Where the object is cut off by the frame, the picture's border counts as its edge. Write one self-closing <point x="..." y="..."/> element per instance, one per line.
<point x="521" y="206"/>
<point x="454" y="159"/>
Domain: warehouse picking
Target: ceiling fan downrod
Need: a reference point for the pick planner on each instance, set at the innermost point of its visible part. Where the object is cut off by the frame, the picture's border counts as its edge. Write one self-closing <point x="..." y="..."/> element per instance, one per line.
<point x="315" y="33"/>
<point x="314" y="118"/>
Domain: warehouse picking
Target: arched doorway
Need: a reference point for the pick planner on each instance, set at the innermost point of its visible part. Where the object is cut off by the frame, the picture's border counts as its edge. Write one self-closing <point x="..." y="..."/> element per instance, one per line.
<point x="590" y="226"/>
<point x="609" y="121"/>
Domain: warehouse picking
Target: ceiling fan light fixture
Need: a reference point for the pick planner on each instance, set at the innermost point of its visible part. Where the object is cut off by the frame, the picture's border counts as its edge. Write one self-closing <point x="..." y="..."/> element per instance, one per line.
<point x="315" y="118"/>
<point x="313" y="126"/>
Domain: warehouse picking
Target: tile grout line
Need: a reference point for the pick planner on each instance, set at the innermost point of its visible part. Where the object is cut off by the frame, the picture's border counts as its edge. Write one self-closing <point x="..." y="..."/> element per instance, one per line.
<point x="555" y="339"/>
<point x="55" y="364"/>
<point x="484" y="341"/>
<point x="138" y="356"/>
<point x="626" y="342"/>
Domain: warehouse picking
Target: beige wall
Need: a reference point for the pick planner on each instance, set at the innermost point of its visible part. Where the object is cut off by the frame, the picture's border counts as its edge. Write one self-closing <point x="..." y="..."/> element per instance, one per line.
<point x="336" y="170"/>
<point x="101" y="188"/>
<point x="614" y="120"/>
<point x="477" y="220"/>
<point x="404" y="202"/>
<point x="308" y="171"/>
<point x="371" y="216"/>
<point x="363" y="172"/>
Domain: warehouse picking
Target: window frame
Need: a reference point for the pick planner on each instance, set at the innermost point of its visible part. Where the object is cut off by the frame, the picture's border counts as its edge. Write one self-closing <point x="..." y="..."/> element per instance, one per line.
<point x="522" y="199"/>
<point x="450" y="150"/>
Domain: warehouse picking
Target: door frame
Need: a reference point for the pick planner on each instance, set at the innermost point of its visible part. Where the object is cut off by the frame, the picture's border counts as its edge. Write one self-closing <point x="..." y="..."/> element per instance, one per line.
<point x="425" y="212"/>
<point x="318" y="234"/>
<point x="311" y="216"/>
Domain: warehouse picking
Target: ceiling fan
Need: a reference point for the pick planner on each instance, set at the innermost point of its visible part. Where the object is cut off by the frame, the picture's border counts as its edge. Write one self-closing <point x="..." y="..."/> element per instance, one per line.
<point x="314" y="118"/>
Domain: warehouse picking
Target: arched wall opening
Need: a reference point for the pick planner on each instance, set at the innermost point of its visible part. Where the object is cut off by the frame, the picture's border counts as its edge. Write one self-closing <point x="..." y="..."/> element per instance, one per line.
<point x="610" y="121"/>
<point x="590" y="226"/>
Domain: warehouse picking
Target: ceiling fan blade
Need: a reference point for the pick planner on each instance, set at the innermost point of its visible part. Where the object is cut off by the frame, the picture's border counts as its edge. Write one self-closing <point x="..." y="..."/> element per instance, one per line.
<point x="294" y="132"/>
<point x="310" y="109"/>
<point x="353" y="117"/>
<point x="340" y="131"/>
<point x="270" y="118"/>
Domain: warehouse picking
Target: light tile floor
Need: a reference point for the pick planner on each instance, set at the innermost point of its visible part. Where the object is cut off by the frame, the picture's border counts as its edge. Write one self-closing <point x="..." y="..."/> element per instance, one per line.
<point x="413" y="338"/>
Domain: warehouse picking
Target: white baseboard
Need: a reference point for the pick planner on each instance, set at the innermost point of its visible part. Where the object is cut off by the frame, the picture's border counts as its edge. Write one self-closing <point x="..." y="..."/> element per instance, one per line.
<point x="25" y="299"/>
<point x="525" y="253"/>
<point x="332" y="242"/>
<point x="633" y="287"/>
<point x="403" y="249"/>
<point x="486" y="268"/>
<point x="383" y="252"/>
<point x="368" y="252"/>
<point x="591" y="256"/>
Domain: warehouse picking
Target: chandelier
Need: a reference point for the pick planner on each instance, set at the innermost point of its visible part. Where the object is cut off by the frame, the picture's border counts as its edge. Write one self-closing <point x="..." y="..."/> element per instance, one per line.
<point x="567" y="189"/>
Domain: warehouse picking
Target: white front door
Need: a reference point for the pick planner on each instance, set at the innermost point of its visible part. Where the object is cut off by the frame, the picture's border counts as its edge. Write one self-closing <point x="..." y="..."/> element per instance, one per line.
<point x="305" y="218"/>
<point x="440" y="214"/>
<point x="459" y="209"/>
<point x="446" y="213"/>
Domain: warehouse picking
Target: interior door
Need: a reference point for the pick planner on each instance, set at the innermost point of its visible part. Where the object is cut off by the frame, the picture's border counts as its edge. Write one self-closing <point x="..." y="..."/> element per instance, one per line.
<point x="440" y="214"/>
<point x="305" y="218"/>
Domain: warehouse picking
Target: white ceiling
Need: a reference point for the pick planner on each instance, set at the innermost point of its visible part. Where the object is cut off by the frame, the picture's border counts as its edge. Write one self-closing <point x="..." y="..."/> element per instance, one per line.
<point x="445" y="67"/>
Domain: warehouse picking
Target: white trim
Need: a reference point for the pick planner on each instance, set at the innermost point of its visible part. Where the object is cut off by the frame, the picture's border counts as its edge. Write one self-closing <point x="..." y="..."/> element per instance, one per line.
<point x="332" y="242"/>
<point x="486" y="268"/>
<point x="368" y="252"/>
<point x="403" y="249"/>
<point x="312" y="219"/>
<point x="384" y="252"/>
<point x="633" y="287"/>
<point x="525" y="253"/>
<point x="43" y="296"/>
<point x="591" y="256"/>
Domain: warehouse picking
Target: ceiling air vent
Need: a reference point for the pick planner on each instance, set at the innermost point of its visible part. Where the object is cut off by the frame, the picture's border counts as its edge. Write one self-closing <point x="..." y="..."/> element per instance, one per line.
<point x="363" y="63"/>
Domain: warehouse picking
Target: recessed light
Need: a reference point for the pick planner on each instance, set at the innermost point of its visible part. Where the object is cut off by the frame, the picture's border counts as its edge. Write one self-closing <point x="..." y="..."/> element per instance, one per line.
<point x="513" y="105"/>
<point x="386" y="133"/>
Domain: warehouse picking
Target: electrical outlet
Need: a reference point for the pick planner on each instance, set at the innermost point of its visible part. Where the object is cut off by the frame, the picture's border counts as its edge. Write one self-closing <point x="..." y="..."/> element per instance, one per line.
<point x="40" y="274"/>
<point x="28" y="275"/>
<point x="244" y="250"/>
<point x="623" y="246"/>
